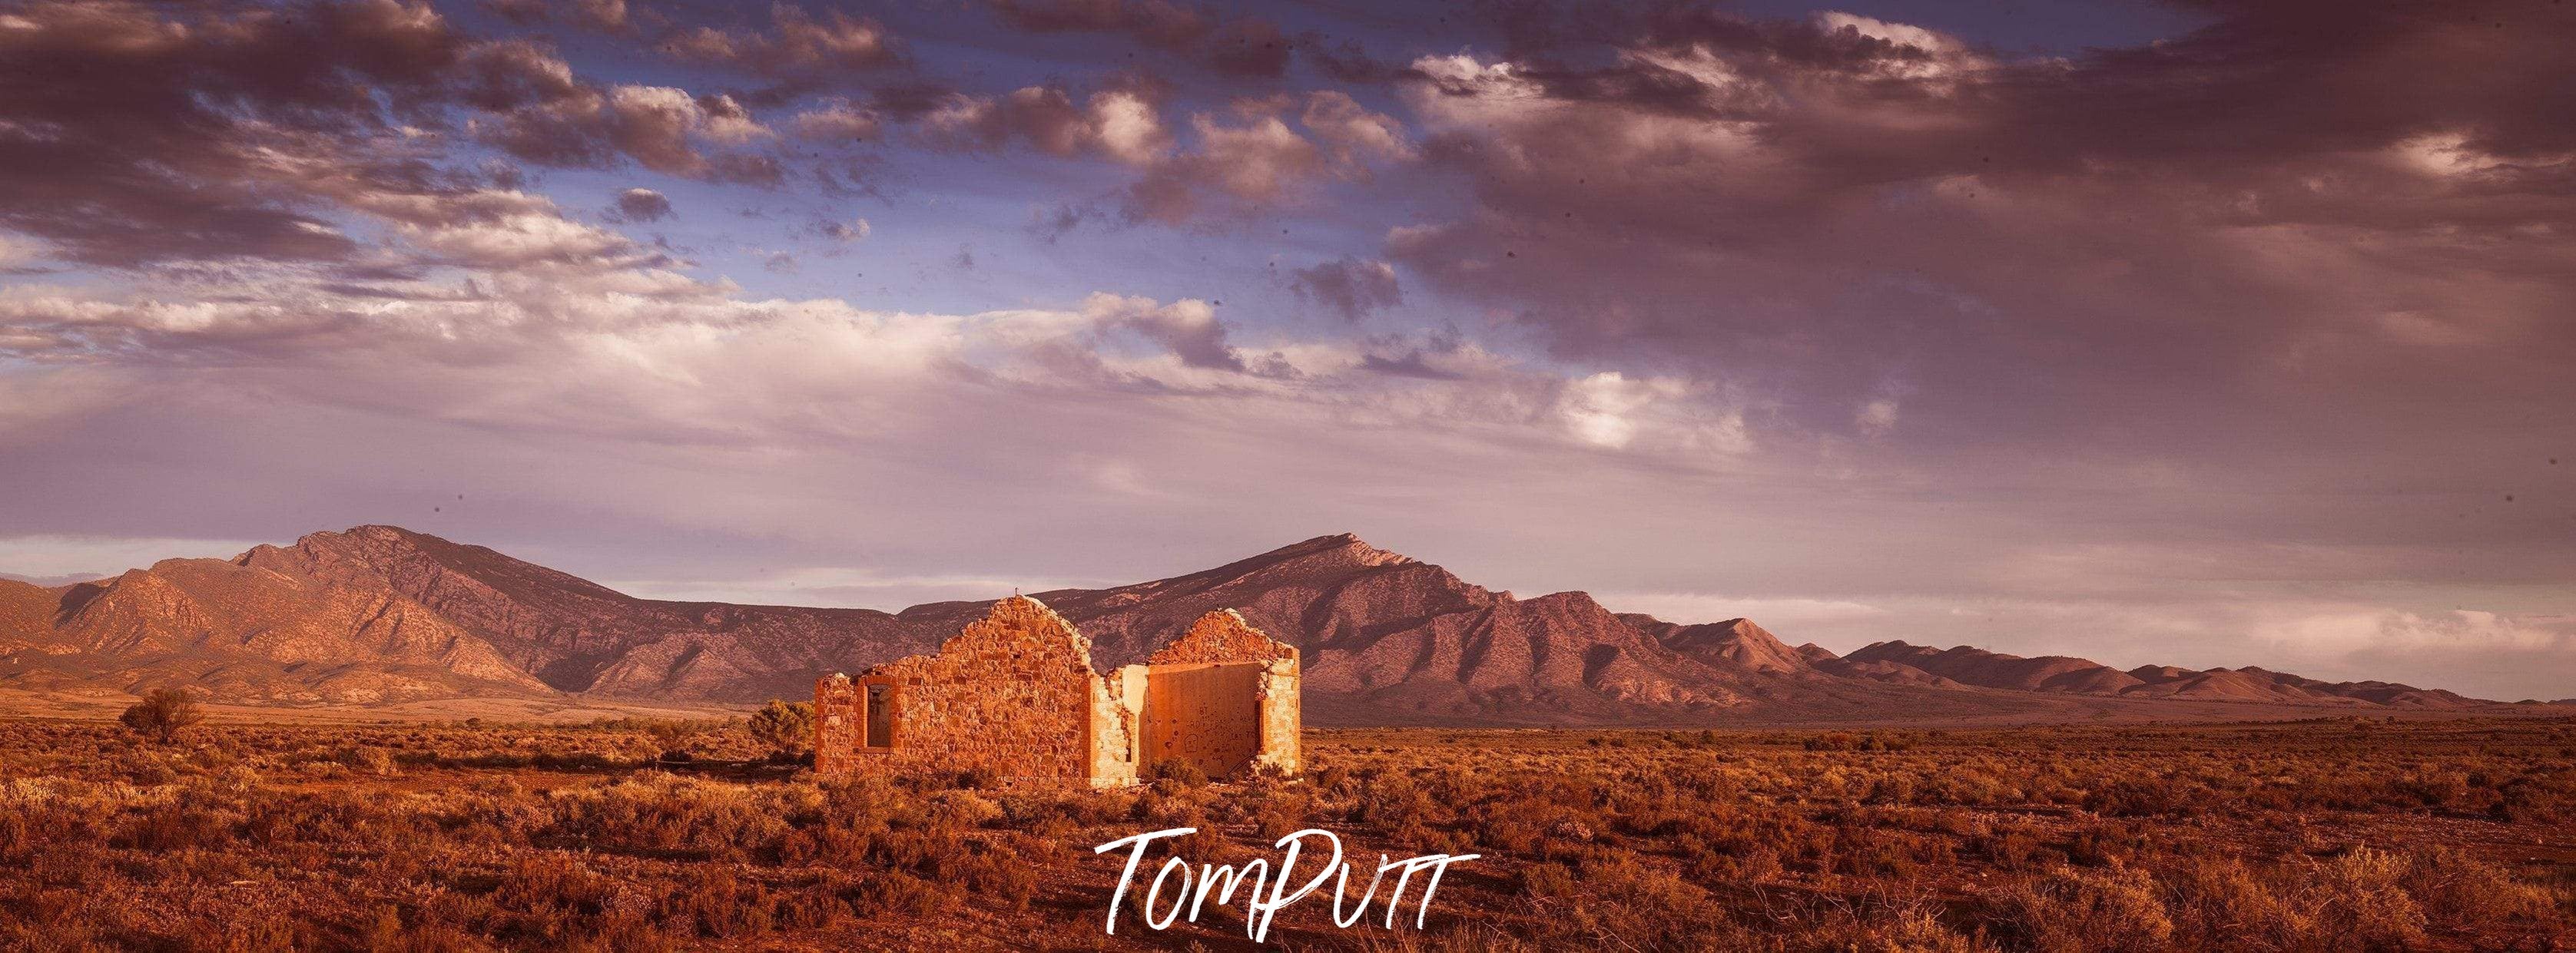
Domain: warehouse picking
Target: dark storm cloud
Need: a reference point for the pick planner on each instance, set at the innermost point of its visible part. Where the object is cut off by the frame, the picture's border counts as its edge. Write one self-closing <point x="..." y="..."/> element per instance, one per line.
<point x="128" y="138"/>
<point x="2039" y="248"/>
<point x="142" y="134"/>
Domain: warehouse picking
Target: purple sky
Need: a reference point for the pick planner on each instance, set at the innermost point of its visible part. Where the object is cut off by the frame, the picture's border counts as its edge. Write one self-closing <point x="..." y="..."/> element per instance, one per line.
<point x="2202" y="334"/>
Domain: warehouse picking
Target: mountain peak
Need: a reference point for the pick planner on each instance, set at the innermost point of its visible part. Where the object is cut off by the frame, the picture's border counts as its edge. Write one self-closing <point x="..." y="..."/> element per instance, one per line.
<point x="1340" y="547"/>
<point x="383" y="532"/>
<point x="1737" y="643"/>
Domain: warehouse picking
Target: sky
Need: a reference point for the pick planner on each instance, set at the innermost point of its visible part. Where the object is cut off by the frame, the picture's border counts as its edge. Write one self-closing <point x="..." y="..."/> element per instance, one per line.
<point x="2207" y="334"/>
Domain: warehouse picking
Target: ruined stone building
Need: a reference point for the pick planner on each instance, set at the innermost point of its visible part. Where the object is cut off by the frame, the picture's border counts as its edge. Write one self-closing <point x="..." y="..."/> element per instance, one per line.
<point x="1016" y="697"/>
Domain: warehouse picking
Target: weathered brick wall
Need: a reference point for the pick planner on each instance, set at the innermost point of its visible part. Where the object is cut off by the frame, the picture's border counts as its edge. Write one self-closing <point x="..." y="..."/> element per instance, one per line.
<point x="1222" y="636"/>
<point x="1203" y="714"/>
<point x="1013" y="695"/>
<point x="1223" y="696"/>
<point x="837" y="730"/>
<point x="1282" y="718"/>
<point x="1118" y="724"/>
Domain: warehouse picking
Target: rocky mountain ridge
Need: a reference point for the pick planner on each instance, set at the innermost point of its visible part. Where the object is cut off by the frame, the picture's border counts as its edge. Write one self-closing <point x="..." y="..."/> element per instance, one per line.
<point x="380" y="614"/>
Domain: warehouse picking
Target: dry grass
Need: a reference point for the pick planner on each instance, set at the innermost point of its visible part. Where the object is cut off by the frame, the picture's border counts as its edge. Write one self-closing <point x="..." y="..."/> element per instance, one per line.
<point x="2337" y="835"/>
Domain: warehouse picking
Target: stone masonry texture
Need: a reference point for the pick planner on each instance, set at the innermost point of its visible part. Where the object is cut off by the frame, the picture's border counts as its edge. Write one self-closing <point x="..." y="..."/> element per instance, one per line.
<point x="1015" y="697"/>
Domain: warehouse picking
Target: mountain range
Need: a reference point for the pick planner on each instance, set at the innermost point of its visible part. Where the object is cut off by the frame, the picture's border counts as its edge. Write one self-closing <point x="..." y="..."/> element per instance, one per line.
<point x="379" y="614"/>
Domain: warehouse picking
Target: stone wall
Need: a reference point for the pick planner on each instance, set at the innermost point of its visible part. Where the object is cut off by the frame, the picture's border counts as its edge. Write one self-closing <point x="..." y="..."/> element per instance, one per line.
<point x="1223" y="697"/>
<point x="1118" y="721"/>
<point x="1206" y="715"/>
<point x="837" y="725"/>
<point x="1222" y="636"/>
<point x="1015" y="697"/>
<point x="1283" y="720"/>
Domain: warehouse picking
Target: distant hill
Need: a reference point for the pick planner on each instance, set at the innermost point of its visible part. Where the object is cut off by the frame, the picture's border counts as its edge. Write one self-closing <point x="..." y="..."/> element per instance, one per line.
<point x="2059" y="674"/>
<point x="382" y="614"/>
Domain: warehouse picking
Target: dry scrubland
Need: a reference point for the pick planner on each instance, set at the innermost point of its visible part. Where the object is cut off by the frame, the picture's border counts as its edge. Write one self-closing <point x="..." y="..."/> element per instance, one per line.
<point x="2308" y="836"/>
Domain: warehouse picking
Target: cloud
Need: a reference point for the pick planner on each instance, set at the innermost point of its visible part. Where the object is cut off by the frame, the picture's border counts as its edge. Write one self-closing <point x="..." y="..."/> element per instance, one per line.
<point x="1250" y="48"/>
<point x="642" y="205"/>
<point x="1128" y="128"/>
<point x="1260" y="162"/>
<point x="1115" y="123"/>
<point x="640" y="355"/>
<point x="1189" y="328"/>
<point x="835" y="120"/>
<point x="661" y="128"/>
<point x="606" y="16"/>
<point x="1350" y="286"/>
<point x="166" y="148"/>
<point x="1819" y="210"/>
<point x="1877" y="418"/>
<point x="519" y="241"/>
<point x="226" y="133"/>
<point x="1245" y="47"/>
<point x="1611" y="410"/>
<point x="1354" y="134"/>
<point x="2238" y="346"/>
<point x="1255" y="165"/>
<point x="1155" y="23"/>
<point x="797" y="42"/>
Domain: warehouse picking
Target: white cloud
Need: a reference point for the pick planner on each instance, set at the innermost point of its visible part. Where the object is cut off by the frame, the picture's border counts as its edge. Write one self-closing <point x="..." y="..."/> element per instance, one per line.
<point x="1877" y="418"/>
<point x="1128" y="128"/>
<point x="835" y="120"/>
<point x="1355" y="133"/>
<point x="1613" y="411"/>
<point x="520" y="240"/>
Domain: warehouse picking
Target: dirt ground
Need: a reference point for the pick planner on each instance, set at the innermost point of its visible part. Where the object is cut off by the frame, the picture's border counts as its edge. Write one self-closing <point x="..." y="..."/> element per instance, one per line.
<point x="2319" y="835"/>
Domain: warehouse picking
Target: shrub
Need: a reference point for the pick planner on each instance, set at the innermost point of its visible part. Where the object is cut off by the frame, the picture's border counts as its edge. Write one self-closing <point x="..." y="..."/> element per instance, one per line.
<point x="785" y="728"/>
<point x="1178" y="772"/>
<point x="674" y="736"/>
<point x="2076" y="910"/>
<point x="537" y="837"/>
<point x="162" y="714"/>
<point x="2361" y="902"/>
<point x="2219" y="901"/>
<point x="368" y="758"/>
<point x="2452" y="885"/>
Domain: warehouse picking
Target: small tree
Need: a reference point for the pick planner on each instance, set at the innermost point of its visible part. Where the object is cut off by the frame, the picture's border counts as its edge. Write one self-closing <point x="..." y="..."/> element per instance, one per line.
<point x="162" y="713"/>
<point x="786" y="728"/>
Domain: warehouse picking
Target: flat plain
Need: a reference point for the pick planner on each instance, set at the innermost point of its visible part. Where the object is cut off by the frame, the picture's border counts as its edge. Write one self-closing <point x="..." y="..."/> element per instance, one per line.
<point x="2340" y="834"/>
